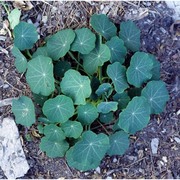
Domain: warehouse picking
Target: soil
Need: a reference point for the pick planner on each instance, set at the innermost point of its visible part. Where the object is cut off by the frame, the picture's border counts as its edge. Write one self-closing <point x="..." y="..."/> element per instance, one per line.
<point x="159" y="36"/>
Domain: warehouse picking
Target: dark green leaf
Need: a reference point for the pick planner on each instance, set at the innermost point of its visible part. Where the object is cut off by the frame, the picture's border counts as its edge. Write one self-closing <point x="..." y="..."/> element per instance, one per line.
<point x="157" y="95"/>
<point x="76" y="86"/>
<point x="72" y="129"/>
<point x="140" y="68"/>
<point x="20" y="60"/>
<point x="106" y="118"/>
<point x="119" y="143"/>
<point x="130" y="34"/>
<point x="59" y="109"/>
<point x="117" y="73"/>
<point x="134" y="92"/>
<point x="118" y="50"/>
<point x="106" y="107"/>
<point x="23" y="109"/>
<point x="136" y="115"/>
<point x="59" y="44"/>
<point x="87" y="113"/>
<point x="40" y="75"/>
<point x="122" y="99"/>
<point x="25" y="35"/>
<point x="103" y="89"/>
<point x="102" y="25"/>
<point x="96" y="58"/>
<point x="84" y="41"/>
<point x="39" y="99"/>
<point x="61" y="67"/>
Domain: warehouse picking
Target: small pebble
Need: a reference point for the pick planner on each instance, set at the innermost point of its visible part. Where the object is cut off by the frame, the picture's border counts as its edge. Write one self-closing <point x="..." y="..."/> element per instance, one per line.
<point x="154" y="145"/>
<point x="114" y="160"/>
<point x="6" y="86"/>
<point x="177" y="140"/>
<point x="98" y="170"/>
<point x="164" y="158"/>
<point x="132" y="158"/>
<point x="109" y="177"/>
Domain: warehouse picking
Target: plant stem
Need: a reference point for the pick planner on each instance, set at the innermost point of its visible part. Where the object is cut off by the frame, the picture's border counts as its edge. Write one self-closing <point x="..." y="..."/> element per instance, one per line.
<point x="6" y="9"/>
<point x="28" y="53"/>
<point x="78" y="61"/>
<point x="104" y="127"/>
<point x="72" y="56"/>
<point x="100" y="74"/>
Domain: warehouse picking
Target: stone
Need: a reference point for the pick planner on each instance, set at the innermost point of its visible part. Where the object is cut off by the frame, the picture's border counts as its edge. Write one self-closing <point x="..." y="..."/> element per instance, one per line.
<point x="154" y="145"/>
<point x="12" y="158"/>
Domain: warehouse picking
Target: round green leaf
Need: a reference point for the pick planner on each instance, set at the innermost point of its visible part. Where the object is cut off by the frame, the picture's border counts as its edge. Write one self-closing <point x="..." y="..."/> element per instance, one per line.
<point x="58" y="109"/>
<point x="106" y="107"/>
<point x="39" y="99"/>
<point x="14" y="17"/>
<point x="106" y="118"/>
<point x="118" y="50"/>
<point x="72" y="129"/>
<point x="130" y="34"/>
<point x="97" y="57"/>
<point x="84" y="41"/>
<point x="140" y="68"/>
<point x="91" y="148"/>
<point x="76" y="86"/>
<point x="136" y="115"/>
<point x="40" y="51"/>
<point x="157" y="95"/>
<point x="44" y="120"/>
<point x="54" y="133"/>
<point x="79" y="165"/>
<point x="54" y="149"/>
<point x="59" y="44"/>
<point x="103" y="88"/>
<point x="25" y="35"/>
<point x="40" y="75"/>
<point x="87" y="113"/>
<point x="61" y="67"/>
<point x="156" y="68"/>
<point x="102" y="25"/>
<point x="122" y="99"/>
<point x="23" y="109"/>
<point x="117" y="73"/>
<point x="119" y="143"/>
<point x="20" y="60"/>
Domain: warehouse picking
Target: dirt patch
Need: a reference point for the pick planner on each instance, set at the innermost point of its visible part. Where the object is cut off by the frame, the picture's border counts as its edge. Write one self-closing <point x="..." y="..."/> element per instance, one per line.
<point x="155" y="22"/>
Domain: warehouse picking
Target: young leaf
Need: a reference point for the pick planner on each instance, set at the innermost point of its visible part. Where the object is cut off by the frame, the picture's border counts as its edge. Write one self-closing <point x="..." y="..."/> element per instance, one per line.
<point x="130" y="34"/>
<point x="156" y="68"/>
<point x="118" y="50"/>
<point x="72" y="129"/>
<point x="103" y="88"/>
<point x="102" y="25"/>
<point x="44" y="120"/>
<point x="40" y="51"/>
<point x="61" y="67"/>
<point x="39" y="99"/>
<point x="106" y="118"/>
<point x="87" y="113"/>
<point x="157" y="95"/>
<point x="76" y="86"/>
<point x="119" y="143"/>
<point x="54" y="133"/>
<point x="58" y="109"/>
<point x="122" y="99"/>
<point x="97" y="57"/>
<point x="14" y="17"/>
<point x="79" y="165"/>
<point x="23" y="109"/>
<point x="140" y="68"/>
<point x="136" y="115"/>
<point x="106" y="107"/>
<point x="91" y="148"/>
<point x="59" y="44"/>
<point x="54" y="149"/>
<point x="84" y="41"/>
<point x="25" y="35"/>
<point x="20" y="60"/>
<point x="117" y="73"/>
<point x="40" y="75"/>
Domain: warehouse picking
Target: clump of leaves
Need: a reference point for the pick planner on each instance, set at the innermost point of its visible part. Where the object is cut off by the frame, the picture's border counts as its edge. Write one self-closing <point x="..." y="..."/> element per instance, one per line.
<point x="92" y="95"/>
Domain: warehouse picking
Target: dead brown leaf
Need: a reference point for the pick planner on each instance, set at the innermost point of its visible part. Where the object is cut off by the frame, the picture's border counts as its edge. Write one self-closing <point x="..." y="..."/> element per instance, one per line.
<point x="23" y="5"/>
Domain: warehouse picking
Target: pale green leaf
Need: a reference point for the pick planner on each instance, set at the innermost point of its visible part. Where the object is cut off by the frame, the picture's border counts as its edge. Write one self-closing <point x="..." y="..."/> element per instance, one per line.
<point x="14" y="17"/>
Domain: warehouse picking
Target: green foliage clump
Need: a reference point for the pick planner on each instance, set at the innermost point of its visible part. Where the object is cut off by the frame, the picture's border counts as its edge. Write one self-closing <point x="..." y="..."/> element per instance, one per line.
<point x="95" y="88"/>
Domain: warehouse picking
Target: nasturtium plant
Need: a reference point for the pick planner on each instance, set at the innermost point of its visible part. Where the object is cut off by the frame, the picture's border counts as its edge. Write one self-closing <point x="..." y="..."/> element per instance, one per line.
<point x="94" y="89"/>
